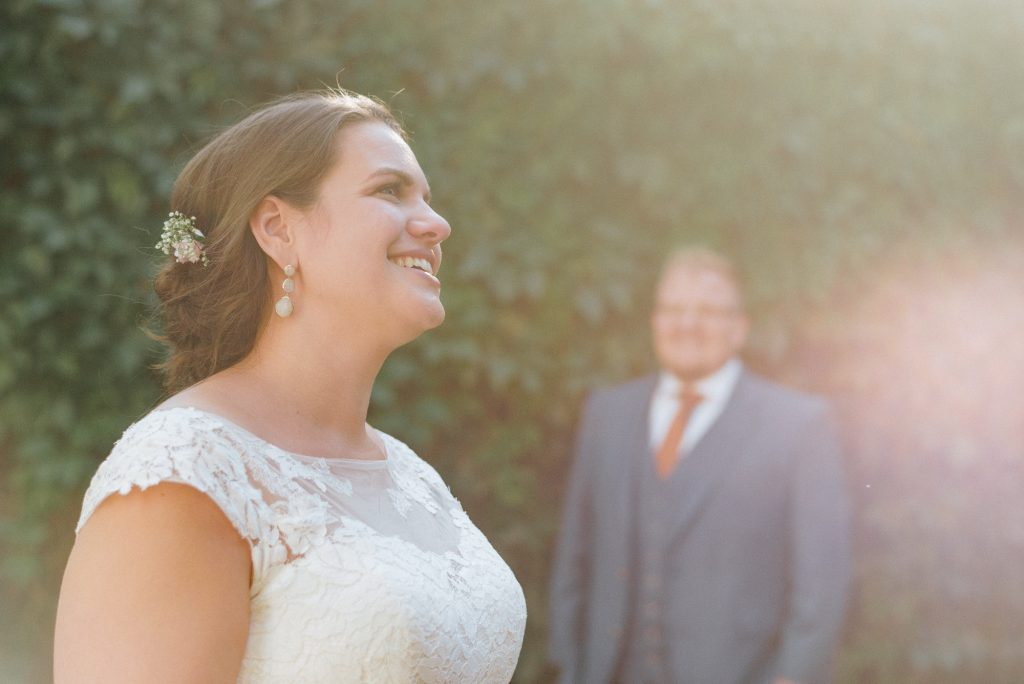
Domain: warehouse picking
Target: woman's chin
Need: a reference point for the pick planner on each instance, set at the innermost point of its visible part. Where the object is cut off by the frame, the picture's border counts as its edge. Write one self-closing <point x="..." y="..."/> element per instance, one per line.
<point x="425" y="318"/>
<point x="434" y="316"/>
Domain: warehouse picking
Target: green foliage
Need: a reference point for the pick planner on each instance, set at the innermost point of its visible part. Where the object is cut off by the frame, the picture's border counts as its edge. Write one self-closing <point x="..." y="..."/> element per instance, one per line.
<point x="863" y="162"/>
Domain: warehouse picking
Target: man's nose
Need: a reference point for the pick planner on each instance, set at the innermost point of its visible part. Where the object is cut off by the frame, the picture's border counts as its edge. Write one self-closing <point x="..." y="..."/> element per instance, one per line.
<point x="688" y="318"/>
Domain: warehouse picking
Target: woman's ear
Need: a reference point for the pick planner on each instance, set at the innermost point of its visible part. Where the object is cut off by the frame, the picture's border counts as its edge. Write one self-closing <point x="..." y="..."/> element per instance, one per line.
<point x="272" y="223"/>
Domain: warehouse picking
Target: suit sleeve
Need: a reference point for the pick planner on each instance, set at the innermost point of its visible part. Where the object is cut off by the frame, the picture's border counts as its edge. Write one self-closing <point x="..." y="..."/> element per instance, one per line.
<point x="820" y="557"/>
<point x="570" y="574"/>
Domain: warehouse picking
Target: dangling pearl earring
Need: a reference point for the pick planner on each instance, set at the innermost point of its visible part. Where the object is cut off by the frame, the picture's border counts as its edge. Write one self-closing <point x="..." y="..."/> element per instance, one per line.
<point x="283" y="307"/>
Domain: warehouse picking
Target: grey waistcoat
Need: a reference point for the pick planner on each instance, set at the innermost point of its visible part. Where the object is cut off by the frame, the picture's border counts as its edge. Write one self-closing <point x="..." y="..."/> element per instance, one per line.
<point x="643" y="659"/>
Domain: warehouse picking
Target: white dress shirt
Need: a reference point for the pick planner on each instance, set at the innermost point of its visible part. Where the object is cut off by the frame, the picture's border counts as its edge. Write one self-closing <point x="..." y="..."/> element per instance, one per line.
<point x="715" y="390"/>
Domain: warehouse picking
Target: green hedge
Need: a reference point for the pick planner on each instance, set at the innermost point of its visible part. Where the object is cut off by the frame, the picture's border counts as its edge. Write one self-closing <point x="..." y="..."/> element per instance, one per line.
<point x="863" y="163"/>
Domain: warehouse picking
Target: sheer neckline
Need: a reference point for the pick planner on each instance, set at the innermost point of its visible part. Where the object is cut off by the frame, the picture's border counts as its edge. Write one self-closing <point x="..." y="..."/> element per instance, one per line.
<point x="359" y="463"/>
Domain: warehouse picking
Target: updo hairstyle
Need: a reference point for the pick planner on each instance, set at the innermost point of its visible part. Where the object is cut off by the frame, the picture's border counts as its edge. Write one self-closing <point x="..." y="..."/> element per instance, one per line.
<point x="212" y="315"/>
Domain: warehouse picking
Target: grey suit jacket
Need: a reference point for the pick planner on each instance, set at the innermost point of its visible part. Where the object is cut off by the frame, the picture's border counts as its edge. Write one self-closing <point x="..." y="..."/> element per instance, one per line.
<point x="757" y="577"/>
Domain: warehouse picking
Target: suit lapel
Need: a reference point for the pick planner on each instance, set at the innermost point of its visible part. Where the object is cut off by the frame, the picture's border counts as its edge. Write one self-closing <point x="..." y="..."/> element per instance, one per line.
<point x="702" y="472"/>
<point x="627" y="452"/>
<point x="631" y="442"/>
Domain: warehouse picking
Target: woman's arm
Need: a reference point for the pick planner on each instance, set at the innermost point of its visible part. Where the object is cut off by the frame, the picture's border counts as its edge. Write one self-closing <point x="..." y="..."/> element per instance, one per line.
<point x="156" y="590"/>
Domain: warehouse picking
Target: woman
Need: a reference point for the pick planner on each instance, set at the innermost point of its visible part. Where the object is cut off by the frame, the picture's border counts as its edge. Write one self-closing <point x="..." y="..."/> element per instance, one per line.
<point x="253" y="527"/>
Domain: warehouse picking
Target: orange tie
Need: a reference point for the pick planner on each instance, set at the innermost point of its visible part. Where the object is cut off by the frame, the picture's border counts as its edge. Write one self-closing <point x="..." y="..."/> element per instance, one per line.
<point x="668" y="454"/>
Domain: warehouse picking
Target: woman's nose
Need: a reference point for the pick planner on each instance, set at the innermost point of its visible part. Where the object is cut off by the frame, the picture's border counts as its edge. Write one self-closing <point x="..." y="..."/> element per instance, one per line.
<point x="430" y="226"/>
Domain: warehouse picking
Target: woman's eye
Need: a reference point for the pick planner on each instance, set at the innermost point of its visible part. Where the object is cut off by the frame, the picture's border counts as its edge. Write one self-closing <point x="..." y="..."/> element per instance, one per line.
<point x="391" y="189"/>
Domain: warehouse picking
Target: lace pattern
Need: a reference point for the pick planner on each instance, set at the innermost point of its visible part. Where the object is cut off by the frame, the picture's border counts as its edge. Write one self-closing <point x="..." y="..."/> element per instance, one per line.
<point x="362" y="570"/>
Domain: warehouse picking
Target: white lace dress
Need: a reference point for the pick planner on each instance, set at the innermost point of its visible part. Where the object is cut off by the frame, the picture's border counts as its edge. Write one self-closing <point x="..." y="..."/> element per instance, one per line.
<point x="363" y="571"/>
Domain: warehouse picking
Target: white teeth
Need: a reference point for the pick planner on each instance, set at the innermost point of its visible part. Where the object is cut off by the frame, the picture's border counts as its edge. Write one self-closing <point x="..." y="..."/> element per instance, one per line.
<point x="412" y="262"/>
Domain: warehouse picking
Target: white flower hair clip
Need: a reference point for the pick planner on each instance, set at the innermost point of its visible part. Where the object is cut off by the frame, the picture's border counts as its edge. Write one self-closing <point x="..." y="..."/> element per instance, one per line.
<point x="182" y="240"/>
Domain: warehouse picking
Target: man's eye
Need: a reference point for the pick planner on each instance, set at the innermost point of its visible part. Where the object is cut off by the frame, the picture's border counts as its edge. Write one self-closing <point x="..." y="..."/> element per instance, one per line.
<point x="391" y="189"/>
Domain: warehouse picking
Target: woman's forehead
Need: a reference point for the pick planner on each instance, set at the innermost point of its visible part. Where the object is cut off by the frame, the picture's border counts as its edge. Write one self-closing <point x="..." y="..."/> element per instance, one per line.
<point x="368" y="145"/>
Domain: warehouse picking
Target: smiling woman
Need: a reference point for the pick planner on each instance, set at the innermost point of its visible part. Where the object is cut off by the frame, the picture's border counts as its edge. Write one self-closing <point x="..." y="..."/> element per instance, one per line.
<point x="254" y="527"/>
<point x="362" y="240"/>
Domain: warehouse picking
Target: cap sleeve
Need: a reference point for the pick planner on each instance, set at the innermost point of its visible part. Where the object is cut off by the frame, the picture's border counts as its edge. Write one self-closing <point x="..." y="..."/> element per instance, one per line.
<point x="175" y="446"/>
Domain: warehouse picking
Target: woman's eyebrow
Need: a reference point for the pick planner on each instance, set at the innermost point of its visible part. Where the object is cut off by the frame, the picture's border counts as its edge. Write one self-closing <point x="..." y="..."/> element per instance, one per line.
<point x="403" y="176"/>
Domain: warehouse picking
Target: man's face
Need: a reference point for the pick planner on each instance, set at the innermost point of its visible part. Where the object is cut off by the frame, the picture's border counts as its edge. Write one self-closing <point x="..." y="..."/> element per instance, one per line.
<point x="698" y="322"/>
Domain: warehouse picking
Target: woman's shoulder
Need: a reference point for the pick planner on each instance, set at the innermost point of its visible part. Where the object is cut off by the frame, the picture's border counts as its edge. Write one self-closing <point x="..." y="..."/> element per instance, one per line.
<point x="185" y="441"/>
<point x="177" y="445"/>
<point x="174" y="428"/>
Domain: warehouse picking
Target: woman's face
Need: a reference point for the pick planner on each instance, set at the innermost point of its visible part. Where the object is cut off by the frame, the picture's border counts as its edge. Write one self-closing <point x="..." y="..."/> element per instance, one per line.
<point x="370" y="254"/>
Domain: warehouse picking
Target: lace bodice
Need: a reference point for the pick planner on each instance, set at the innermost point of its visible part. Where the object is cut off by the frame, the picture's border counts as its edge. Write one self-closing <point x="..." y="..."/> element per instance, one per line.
<point x="363" y="571"/>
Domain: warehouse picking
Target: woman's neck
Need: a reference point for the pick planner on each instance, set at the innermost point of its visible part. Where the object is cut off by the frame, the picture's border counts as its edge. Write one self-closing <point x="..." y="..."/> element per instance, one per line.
<point x="308" y="398"/>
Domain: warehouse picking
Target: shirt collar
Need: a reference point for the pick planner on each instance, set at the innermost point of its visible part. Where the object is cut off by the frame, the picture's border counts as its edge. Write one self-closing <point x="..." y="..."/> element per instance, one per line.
<point x="718" y="385"/>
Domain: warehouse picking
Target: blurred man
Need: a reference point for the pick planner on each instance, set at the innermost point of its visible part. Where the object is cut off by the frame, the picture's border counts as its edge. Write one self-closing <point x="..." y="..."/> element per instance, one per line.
<point x="704" y="538"/>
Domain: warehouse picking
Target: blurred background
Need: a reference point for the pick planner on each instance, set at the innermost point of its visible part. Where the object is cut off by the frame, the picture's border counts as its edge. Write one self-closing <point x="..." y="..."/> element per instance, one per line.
<point x="863" y="162"/>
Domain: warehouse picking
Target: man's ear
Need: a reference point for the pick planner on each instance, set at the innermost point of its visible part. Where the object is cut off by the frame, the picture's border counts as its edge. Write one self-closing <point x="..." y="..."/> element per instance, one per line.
<point x="272" y="223"/>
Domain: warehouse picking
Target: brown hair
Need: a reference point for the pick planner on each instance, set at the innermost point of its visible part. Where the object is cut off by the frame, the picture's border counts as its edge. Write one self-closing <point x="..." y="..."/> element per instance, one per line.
<point x="211" y="316"/>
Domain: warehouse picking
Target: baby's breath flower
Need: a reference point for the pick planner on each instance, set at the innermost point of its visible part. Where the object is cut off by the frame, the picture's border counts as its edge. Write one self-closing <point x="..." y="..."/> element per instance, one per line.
<point x="182" y="240"/>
